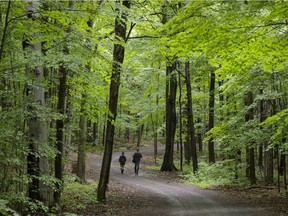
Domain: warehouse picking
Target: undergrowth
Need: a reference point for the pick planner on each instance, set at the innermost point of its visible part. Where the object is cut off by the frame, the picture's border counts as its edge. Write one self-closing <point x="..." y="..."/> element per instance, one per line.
<point x="76" y="196"/>
<point x="221" y="173"/>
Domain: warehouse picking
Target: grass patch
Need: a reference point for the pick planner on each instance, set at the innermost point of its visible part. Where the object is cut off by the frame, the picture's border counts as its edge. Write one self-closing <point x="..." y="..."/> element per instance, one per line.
<point x="153" y="167"/>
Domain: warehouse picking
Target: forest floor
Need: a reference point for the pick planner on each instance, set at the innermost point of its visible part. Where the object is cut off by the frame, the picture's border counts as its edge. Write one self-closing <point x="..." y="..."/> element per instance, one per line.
<point x="159" y="193"/>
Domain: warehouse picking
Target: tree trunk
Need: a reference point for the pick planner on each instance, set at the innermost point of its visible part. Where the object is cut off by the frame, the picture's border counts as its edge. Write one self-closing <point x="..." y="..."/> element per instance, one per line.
<point x="171" y="89"/>
<point x="199" y="136"/>
<point x="250" y="155"/>
<point x="95" y="131"/>
<point x="191" y="130"/>
<point x="180" y="123"/>
<point x="139" y="134"/>
<point x="60" y="133"/>
<point x="62" y="93"/>
<point x="211" y="116"/>
<point x="37" y="165"/>
<point x="5" y="27"/>
<point x="118" y="58"/>
<point x="155" y="132"/>
<point x="82" y="142"/>
<point x="127" y="130"/>
<point x="262" y="117"/>
<point x="268" y="165"/>
<point x="268" y="158"/>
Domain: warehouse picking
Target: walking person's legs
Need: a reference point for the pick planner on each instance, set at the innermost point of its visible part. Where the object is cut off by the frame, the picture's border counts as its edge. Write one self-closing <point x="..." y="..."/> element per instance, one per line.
<point x="122" y="168"/>
<point x="136" y="168"/>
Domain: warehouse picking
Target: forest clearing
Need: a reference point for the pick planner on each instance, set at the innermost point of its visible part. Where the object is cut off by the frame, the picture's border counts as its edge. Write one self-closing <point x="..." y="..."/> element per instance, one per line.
<point x="200" y="87"/>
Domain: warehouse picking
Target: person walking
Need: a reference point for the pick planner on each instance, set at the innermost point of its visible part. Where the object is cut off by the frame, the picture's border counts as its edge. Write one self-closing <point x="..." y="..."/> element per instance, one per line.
<point x="136" y="160"/>
<point x="122" y="161"/>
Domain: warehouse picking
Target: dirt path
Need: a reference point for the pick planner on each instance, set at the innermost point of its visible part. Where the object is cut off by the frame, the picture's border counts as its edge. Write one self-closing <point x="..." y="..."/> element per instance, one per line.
<point x="150" y="194"/>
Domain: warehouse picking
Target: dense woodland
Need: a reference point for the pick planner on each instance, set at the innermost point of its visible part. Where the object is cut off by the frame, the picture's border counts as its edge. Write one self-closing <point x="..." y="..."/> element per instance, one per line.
<point x="206" y="78"/>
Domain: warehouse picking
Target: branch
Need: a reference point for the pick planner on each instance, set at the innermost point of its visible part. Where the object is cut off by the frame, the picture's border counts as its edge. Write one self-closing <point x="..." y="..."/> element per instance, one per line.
<point x="144" y="36"/>
<point x="130" y="30"/>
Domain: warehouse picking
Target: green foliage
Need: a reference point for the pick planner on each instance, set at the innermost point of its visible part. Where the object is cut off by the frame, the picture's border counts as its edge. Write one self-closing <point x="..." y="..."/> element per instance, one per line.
<point x="219" y="174"/>
<point x="77" y="197"/>
<point x="21" y="203"/>
<point x="97" y="148"/>
<point x="5" y="210"/>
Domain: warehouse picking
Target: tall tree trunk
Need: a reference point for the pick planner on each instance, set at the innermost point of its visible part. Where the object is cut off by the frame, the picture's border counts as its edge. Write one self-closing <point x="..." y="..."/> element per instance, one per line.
<point x="95" y="133"/>
<point x="37" y="165"/>
<point x="139" y="134"/>
<point x="191" y="130"/>
<point x="180" y="122"/>
<point x="5" y="27"/>
<point x="127" y="130"/>
<point x="60" y="132"/>
<point x="171" y="89"/>
<point x="155" y="130"/>
<point x="211" y="116"/>
<point x="118" y="58"/>
<point x="250" y="155"/>
<point x="82" y="142"/>
<point x="62" y="93"/>
<point x="268" y="157"/>
<point x="268" y="166"/>
<point x="199" y="136"/>
<point x="262" y="117"/>
<point x="81" y="159"/>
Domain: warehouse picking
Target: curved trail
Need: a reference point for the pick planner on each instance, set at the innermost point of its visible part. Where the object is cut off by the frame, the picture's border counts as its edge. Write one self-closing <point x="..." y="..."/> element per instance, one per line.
<point x="170" y="198"/>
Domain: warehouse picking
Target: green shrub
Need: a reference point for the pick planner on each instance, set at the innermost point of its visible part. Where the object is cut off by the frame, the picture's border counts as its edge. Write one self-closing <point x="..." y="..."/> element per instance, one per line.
<point x="5" y="210"/>
<point x="217" y="174"/>
<point x="77" y="197"/>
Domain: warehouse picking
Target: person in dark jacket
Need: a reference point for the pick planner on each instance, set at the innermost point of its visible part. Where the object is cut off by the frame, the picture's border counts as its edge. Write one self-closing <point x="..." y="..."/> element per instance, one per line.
<point x="122" y="161"/>
<point x="136" y="160"/>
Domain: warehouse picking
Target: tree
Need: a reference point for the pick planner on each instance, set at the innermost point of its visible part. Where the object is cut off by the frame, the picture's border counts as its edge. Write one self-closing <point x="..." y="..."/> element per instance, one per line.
<point x="191" y="130"/>
<point x="211" y="116"/>
<point x="250" y="153"/>
<point x="62" y="94"/>
<point x="37" y="165"/>
<point x="81" y="165"/>
<point x="118" y="58"/>
<point x="171" y="89"/>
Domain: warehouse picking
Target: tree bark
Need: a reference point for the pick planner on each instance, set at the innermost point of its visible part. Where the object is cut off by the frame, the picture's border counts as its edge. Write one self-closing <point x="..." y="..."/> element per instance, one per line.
<point x="180" y="123"/>
<point x="82" y="142"/>
<point x="62" y="93"/>
<point x="118" y="58"/>
<point x="95" y="133"/>
<point x="37" y="165"/>
<point x="4" y="33"/>
<point x="139" y="134"/>
<point x="58" y="164"/>
<point x="262" y="118"/>
<point x="250" y="155"/>
<point x="268" y="157"/>
<point x="171" y="89"/>
<point x="191" y="130"/>
<point x="211" y="116"/>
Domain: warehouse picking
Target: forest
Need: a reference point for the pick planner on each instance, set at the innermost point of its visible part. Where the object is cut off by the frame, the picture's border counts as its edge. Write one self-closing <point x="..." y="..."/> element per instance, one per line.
<point x="206" y="79"/>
